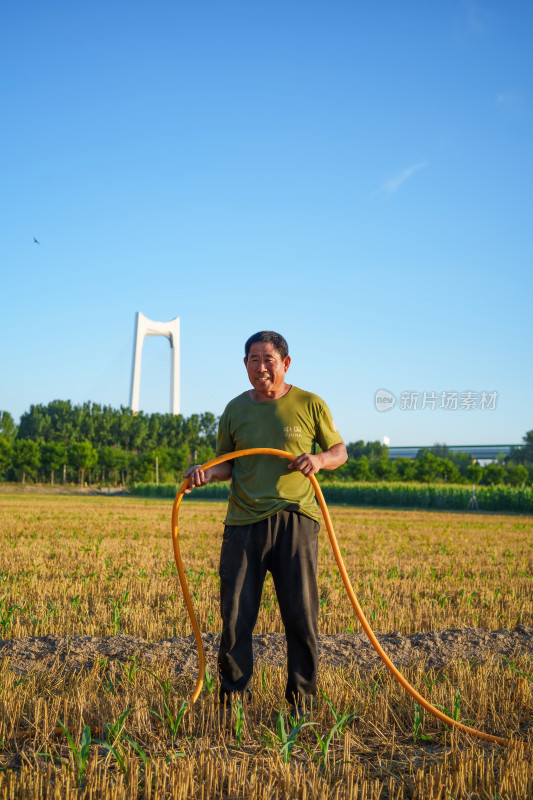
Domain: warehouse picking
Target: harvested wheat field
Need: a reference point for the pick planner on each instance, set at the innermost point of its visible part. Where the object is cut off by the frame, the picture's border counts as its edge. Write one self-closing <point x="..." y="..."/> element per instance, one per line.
<point x="97" y="659"/>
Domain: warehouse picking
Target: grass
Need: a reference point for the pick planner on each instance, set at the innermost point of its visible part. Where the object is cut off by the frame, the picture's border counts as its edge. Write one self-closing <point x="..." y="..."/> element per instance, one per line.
<point x="101" y="566"/>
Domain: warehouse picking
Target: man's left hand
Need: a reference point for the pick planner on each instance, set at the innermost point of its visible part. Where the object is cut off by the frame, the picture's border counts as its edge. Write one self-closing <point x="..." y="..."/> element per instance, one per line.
<point x="307" y="464"/>
<point x="327" y="459"/>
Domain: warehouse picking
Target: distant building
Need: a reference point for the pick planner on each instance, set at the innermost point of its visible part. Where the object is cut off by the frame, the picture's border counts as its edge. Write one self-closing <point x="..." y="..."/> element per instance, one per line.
<point x="479" y="452"/>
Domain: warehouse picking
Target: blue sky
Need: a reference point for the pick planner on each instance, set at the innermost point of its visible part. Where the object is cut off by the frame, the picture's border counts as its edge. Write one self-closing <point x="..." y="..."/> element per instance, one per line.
<point x="355" y="175"/>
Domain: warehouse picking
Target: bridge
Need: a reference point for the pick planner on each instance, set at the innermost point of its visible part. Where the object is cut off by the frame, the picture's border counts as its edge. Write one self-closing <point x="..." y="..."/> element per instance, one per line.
<point x="488" y="452"/>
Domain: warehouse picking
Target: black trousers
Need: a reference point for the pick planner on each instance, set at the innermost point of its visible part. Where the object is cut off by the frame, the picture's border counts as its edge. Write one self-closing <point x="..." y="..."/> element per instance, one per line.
<point x="287" y="545"/>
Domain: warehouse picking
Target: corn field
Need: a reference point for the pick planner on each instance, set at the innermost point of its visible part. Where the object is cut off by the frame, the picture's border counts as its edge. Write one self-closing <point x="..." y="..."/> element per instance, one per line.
<point x="103" y="567"/>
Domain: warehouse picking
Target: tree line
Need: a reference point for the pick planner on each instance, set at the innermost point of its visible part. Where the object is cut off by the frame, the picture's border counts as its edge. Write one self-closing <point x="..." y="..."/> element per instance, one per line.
<point x="99" y="444"/>
<point x="437" y="464"/>
<point x="62" y="442"/>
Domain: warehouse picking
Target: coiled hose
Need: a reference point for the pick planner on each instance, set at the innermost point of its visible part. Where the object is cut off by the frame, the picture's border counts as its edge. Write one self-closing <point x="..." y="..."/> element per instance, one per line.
<point x="346" y="580"/>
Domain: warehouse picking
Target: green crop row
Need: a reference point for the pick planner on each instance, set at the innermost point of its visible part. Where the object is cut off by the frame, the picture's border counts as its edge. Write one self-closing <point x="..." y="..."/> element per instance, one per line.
<point x="383" y="495"/>
<point x="438" y="496"/>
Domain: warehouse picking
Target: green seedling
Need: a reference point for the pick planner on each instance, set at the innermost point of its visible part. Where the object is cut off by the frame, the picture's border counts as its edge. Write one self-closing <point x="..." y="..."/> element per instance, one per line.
<point x="209" y="682"/>
<point x="118" y="609"/>
<point x="38" y="623"/>
<point x="470" y="598"/>
<point x="377" y="682"/>
<point x="172" y="756"/>
<point x="456" y="709"/>
<point x="343" y="719"/>
<point x="431" y="683"/>
<point x="324" y="742"/>
<point x="116" y="736"/>
<point x="130" y="669"/>
<point x="417" y="725"/>
<point x="53" y="608"/>
<point x="195" y="580"/>
<point x="282" y="740"/>
<point x="238" y="710"/>
<point x="392" y="573"/>
<point x="108" y="684"/>
<point x="7" y="614"/>
<point x="351" y="627"/>
<point x="170" y="721"/>
<point x="263" y="679"/>
<point x="512" y="667"/>
<point x="80" y="755"/>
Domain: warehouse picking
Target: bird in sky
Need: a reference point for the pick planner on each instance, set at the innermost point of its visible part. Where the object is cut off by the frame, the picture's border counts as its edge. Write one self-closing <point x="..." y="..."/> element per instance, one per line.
<point x="35" y="241"/>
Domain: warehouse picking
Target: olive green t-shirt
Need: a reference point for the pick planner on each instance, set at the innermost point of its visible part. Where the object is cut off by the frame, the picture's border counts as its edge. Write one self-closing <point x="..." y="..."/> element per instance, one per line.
<point x="262" y="485"/>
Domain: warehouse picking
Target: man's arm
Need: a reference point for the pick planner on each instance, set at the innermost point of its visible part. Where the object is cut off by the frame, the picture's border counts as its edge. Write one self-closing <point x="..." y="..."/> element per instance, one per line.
<point x="328" y="459"/>
<point x="199" y="477"/>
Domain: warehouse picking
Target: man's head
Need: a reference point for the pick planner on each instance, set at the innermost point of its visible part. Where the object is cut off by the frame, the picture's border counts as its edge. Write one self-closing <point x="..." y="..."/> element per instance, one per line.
<point x="267" y="361"/>
<point x="275" y="339"/>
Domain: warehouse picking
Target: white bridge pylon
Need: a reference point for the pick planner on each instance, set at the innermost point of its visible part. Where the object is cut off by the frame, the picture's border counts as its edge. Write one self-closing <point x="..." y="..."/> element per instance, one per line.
<point x="171" y="330"/>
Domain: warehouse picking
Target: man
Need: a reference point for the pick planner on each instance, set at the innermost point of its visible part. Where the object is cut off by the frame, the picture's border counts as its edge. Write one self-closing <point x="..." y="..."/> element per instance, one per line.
<point x="272" y="518"/>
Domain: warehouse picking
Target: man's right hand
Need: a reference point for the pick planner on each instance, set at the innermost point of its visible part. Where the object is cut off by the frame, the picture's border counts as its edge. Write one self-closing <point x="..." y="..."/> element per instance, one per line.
<point x="200" y="477"/>
<point x="197" y="477"/>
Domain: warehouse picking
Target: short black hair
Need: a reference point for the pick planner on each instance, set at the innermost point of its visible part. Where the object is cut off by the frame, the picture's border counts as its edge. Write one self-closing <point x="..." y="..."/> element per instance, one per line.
<point x="276" y="339"/>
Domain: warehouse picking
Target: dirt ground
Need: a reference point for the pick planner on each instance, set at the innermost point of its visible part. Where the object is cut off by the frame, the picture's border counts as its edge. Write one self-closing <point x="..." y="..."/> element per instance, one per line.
<point x="435" y="649"/>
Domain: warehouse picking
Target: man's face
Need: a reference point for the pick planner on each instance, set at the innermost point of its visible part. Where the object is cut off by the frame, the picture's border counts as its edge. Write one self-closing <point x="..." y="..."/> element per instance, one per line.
<point x="266" y="369"/>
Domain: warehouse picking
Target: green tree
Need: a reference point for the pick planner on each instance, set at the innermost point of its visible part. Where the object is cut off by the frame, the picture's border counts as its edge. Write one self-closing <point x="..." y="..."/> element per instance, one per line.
<point x="6" y="455"/>
<point x="462" y="461"/>
<point x="172" y="431"/>
<point x="383" y="469"/>
<point x="53" y="456"/>
<point x="426" y="467"/>
<point x="164" y="464"/>
<point x="493" y="473"/>
<point x="374" y="451"/>
<point x="356" y="469"/>
<point x="142" y="468"/>
<point x="82" y="456"/>
<point x="36" y="424"/>
<point x="356" y="450"/>
<point x="110" y="461"/>
<point x="180" y="459"/>
<point x="516" y="474"/>
<point x="204" y="453"/>
<point x="8" y="429"/>
<point x="125" y="459"/>
<point x="448" y="471"/>
<point x="209" y="429"/>
<point x="474" y="473"/>
<point x="528" y="447"/>
<point x="440" y="450"/>
<point x="524" y="453"/>
<point x="404" y="469"/>
<point x="26" y="458"/>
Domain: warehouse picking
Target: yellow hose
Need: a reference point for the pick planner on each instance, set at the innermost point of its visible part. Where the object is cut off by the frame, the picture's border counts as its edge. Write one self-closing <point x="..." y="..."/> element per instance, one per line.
<point x="342" y="569"/>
